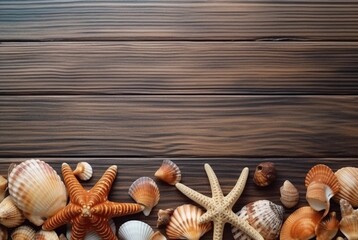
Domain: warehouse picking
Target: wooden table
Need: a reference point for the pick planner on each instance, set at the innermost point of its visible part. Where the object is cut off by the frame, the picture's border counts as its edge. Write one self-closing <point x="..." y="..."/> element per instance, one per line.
<point x="230" y="83"/>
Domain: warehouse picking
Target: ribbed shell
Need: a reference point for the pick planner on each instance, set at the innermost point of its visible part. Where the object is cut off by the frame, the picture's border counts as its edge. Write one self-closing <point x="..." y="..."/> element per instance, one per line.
<point x="349" y="221"/>
<point x="91" y="235"/>
<point x="146" y="192"/>
<point x="135" y="230"/>
<point x="164" y="216"/>
<point x="83" y="171"/>
<point x="184" y="223"/>
<point x="265" y="174"/>
<point x="323" y="174"/>
<point x="348" y="179"/>
<point x="23" y="232"/>
<point x="263" y="215"/>
<point x="37" y="190"/>
<point x="289" y="195"/>
<point x="328" y="227"/>
<point x="168" y="172"/>
<point x="158" y="236"/>
<point x="10" y="215"/>
<point x="3" y="187"/>
<point x="3" y="233"/>
<point x="46" y="235"/>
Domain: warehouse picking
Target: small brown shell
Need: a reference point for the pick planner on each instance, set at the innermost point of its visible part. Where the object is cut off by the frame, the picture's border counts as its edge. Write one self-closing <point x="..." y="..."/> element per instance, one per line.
<point x="23" y="232"/>
<point x="164" y="217"/>
<point x="348" y="179"/>
<point x="46" y="235"/>
<point x="349" y="221"/>
<point x="158" y="236"/>
<point x="3" y="233"/>
<point x="328" y="227"/>
<point x="83" y="171"/>
<point x="10" y="215"/>
<point x="265" y="174"/>
<point x="289" y="194"/>
<point x="168" y="172"/>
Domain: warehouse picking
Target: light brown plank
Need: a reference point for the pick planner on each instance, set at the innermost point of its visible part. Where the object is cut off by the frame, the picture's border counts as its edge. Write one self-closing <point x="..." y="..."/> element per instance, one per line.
<point x="179" y="126"/>
<point x="173" y="20"/>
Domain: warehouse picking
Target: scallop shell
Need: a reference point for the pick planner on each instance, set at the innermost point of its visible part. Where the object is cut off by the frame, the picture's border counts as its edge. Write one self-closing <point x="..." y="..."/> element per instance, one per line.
<point x="37" y="190"/>
<point x="300" y="224"/>
<point x="83" y="171"/>
<point x="289" y="194"/>
<point x="146" y="192"/>
<point x="3" y="187"/>
<point x="164" y="216"/>
<point x="23" y="232"/>
<point x="46" y="235"/>
<point x="10" y="215"/>
<point x="3" y="233"/>
<point x="263" y="215"/>
<point x="158" y="236"/>
<point x="184" y="223"/>
<point x="135" y="230"/>
<point x="91" y="235"/>
<point x="328" y="227"/>
<point x="348" y="179"/>
<point x="168" y="172"/>
<point x="265" y="174"/>
<point x="349" y="221"/>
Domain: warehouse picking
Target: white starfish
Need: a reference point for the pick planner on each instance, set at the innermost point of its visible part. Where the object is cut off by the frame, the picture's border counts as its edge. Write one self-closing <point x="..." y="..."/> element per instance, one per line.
<point x="219" y="207"/>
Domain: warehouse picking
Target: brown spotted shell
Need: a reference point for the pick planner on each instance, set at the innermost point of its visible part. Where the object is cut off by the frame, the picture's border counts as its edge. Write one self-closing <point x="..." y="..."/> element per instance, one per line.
<point x="348" y="179"/>
<point x="168" y="172"/>
<point x="265" y="174"/>
<point x="164" y="216"/>
<point x="23" y="232"/>
<point x="289" y="195"/>
<point x="10" y="215"/>
<point x="328" y="227"/>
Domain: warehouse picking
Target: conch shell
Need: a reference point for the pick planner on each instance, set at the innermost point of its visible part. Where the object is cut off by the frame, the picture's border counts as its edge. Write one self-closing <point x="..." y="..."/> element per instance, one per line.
<point x="349" y="221"/>
<point x="289" y="194"/>
<point x="348" y="179"/>
<point x="10" y="215"/>
<point x="168" y="172"/>
<point x="328" y="227"/>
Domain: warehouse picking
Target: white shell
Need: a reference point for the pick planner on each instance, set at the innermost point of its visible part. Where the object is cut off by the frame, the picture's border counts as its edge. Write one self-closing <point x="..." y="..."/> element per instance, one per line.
<point x="10" y="215"/>
<point x="91" y="235"/>
<point x="83" y="171"/>
<point x="348" y="180"/>
<point x="46" y="235"/>
<point x="37" y="190"/>
<point x="135" y="230"/>
<point x="23" y="232"/>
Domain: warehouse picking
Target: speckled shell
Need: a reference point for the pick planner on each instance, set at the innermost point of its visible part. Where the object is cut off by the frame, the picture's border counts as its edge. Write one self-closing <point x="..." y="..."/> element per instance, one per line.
<point x="46" y="235"/>
<point x="146" y="192"/>
<point x="348" y="179"/>
<point x="3" y="187"/>
<point x="349" y="221"/>
<point x="328" y="227"/>
<point x="4" y="235"/>
<point x="184" y="223"/>
<point x="10" y="215"/>
<point x="300" y="224"/>
<point x="168" y="172"/>
<point x="37" y="190"/>
<point x="164" y="217"/>
<point x="263" y="215"/>
<point x="158" y="236"/>
<point x="91" y="235"/>
<point x="83" y="171"/>
<point x="135" y="230"/>
<point x="23" y="232"/>
<point x="289" y="195"/>
<point x="265" y="174"/>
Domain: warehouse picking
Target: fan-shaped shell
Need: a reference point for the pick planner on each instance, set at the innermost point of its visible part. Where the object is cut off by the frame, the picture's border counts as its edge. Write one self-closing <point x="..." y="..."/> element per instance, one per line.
<point x="91" y="235"/>
<point x="3" y="187"/>
<point x="348" y="179"/>
<point x="23" y="232"/>
<point x="263" y="215"/>
<point x="146" y="192"/>
<point x="135" y="230"/>
<point x="83" y="171"/>
<point x="349" y="221"/>
<point x="168" y="172"/>
<point x="158" y="236"/>
<point x="164" y="216"/>
<point x="300" y="224"/>
<point x="10" y="215"/>
<point x="46" y="235"/>
<point x="289" y="194"/>
<point x="328" y="227"/>
<point x="3" y="233"/>
<point x="37" y="190"/>
<point x="184" y="223"/>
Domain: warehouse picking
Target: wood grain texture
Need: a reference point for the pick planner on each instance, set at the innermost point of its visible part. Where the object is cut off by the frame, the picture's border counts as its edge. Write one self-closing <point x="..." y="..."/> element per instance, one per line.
<point x="179" y="68"/>
<point x="173" y="20"/>
<point x="179" y="126"/>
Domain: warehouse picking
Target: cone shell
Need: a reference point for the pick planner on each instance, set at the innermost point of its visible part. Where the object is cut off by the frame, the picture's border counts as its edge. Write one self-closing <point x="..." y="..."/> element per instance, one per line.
<point x="135" y="230"/>
<point x="349" y="221"/>
<point x="46" y="235"/>
<point x="168" y="172"/>
<point x="158" y="236"/>
<point x="10" y="215"/>
<point x="37" y="190"/>
<point x="3" y="233"/>
<point x="348" y="179"/>
<point x="23" y="233"/>
<point x="328" y="227"/>
<point x="164" y="216"/>
<point x="91" y="235"/>
<point x="263" y="215"/>
<point x="300" y="224"/>
<point x="289" y="194"/>
<point x="3" y="187"/>
<point x="184" y="223"/>
<point x="83" y="171"/>
<point x="265" y="174"/>
<point x="146" y="192"/>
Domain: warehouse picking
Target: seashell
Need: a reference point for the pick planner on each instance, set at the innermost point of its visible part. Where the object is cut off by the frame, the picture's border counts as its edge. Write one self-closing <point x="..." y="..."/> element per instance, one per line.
<point x="348" y="179"/>
<point x="3" y="187"/>
<point x="90" y="235"/>
<point x="62" y="237"/>
<point x="10" y="214"/>
<point x="263" y="215"/>
<point x="349" y="221"/>
<point x="168" y="172"/>
<point x="164" y="216"/>
<point x="300" y="224"/>
<point x="328" y="227"/>
<point x="135" y="230"/>
<point x="37" y="190"/>
<point x="46" y="235"/>
<point x="289" y="194"/>
<point x="184" y="223"/>
<point x="23" y="232"/>
<point x="83" y="171"/>
<point x="3" y="233"/>
<point x="146" y="192"/>
<point x="158" y="236"/>
<point x="265" y="174"/>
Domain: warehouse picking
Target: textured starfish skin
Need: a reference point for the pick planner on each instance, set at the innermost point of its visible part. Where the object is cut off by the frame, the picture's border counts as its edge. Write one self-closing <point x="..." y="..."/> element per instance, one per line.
<point x="90" y="210"/>
<point x="219" y="207"/>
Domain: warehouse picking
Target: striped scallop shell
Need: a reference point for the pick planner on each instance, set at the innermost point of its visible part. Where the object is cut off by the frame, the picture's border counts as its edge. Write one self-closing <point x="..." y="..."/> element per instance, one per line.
<point x="168" y="172"/>
<point x="348" y="179"/>
<point x="10" y="215"/>
<point x="135" y="230"/>
<point x="46" y="235"/>
<point x="37" y="190"/>
<point x="184" y="223"/>
<point x="146" y="192"/>
<point x="91" y="235"/>
<point x="328" y="227"/>
<point x="263" y="215"/>
<point x="23" y="232"/>
<point x="3" y="187"/>
<point x="83" y="171"/>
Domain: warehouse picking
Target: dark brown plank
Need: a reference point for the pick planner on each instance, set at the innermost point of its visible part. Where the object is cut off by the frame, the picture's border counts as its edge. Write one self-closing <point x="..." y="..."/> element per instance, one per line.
<point x="172" y="20"/>
<point x="179" y="68"/>
<point x="179" y="126"/>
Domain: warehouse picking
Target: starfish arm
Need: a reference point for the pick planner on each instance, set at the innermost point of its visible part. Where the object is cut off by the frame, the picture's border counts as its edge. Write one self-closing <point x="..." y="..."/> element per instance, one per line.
<point x="114" y="209"/>
<point x="218" y="231"/>
<point x="216" y="191"/>
<point x="194" y="195"/>
<point x="62" y="217"/>
<point x="206" y="217"/>
<point x="102" y="228"/>
<point x="236" y="192"/>
<point x="75" y="189"/>
<point x="79" y="228"/>
<point x="244" y="226"/>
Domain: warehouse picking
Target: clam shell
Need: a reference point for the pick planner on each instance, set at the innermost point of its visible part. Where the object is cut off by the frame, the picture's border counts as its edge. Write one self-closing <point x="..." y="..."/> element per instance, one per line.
<point x="349" y="221"/>
<point x="300" y="224"/>
<point x="135" y="230"/>
<point x="158" y="236"/>
<point x="3" y="187"/>
<point x="3" y="233"/>
<point x="168" y="172"/>
<point x="91" y="235"/>
<point x="184" y="223"/>
<point x="23" y="232"/>
<point x="265" y="174"/>
<point x="263" y="215"/>
<point x="146" y="192"/>
<point x="289" y="195"/>
<point x="164" y="216"/>
<point x="46" y="235"/>
<point x="10" y="215"/>
<point x="328" y="227"/>
<point x="348" y="179"/>
<point x="37" y="190"/>
<point x="83" y="171"/>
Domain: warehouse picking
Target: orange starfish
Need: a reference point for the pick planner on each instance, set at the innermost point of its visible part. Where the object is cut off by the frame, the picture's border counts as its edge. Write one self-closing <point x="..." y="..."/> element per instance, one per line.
<point x="90" y="210"/>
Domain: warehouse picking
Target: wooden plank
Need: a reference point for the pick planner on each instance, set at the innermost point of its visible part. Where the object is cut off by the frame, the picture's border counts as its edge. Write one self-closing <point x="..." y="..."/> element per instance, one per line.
<point x="173" y="20"/>
<point x="324" y="126"/>
<point x="193" y="175"/>
<point x="179" y="68"/>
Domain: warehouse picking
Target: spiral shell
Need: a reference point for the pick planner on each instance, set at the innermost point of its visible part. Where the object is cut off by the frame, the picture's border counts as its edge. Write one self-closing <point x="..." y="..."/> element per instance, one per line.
<point x="168" y="172"/>
<point x="265" y="174"/>
<point x="263" y="215"/>
<point x="289" y="194"/>
<point x="348" y="179"/>
<point x="3" y="233"/>
<point x="3" y="187"/>
<point x="184" y="223"/>
<point x="83" y="171"/>
<point x="46" y="235"/>
<point x="91" y="235"/>
<point x="328" y="227"/>
<point x="158" y="236"/>
<point x="10" y="215"/>
<point x="135" y="230"/>
<point x="349" y="221"/>
<point x="37" y="190"/>
<point x="164" y="216"/>
<point x="23" y="232"/>
<point x="146" y="192"/>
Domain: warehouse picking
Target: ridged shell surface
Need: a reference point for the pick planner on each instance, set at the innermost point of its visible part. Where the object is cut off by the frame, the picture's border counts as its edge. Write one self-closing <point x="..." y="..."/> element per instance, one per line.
<point x="46" y="235"/>
<point x="265" y="174"/>
<point x="349" y="221"/>
<point x="323" y="174"/>
<point x="348" y="179"/>
<point x="37" y="190"/>
<point x="328" y="227"/>
<point x="263" y="215"/>
<point x="91" y="235"/>
<point x="3" y="187"/>
<point x="23" y="232"/>
<point x="135" y="230"/>
<point x="168" y="172"/>
<point x="83" y="171"/>
<point x="10" y="215"/>
<point x="289" y="194"/>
